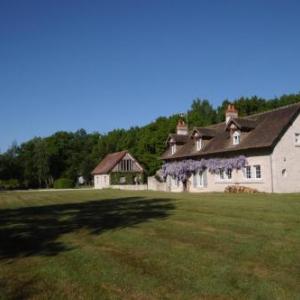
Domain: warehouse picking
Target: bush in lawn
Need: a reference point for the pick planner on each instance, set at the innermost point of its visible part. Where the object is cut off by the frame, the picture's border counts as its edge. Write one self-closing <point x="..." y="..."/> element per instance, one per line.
<point x="63" y="183"/>
<point x="240" y="189"/>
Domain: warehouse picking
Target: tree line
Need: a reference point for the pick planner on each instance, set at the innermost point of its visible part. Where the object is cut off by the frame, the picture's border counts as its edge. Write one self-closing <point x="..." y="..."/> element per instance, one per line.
<point x="40" y="161"/>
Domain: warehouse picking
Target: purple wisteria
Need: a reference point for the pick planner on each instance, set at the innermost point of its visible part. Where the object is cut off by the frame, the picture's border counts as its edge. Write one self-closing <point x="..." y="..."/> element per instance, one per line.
<point x="183" y="169"/>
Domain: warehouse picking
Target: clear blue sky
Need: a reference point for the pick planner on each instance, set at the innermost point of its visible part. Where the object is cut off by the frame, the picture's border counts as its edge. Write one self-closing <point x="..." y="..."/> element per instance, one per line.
<point x="101" y="65"/>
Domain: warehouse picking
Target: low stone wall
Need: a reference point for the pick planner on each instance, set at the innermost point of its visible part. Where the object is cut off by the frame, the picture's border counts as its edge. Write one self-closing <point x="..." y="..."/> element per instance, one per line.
<point x="155" y="185"/>
<point x="130" y="187"/>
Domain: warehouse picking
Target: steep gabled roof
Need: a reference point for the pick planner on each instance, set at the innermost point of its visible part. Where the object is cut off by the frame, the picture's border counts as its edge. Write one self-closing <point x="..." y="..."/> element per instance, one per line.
<point x="109" y="162"/>
<point x="269" y="127"/>
<point x="178" y="138"/>
<point x="205" y="131"/>
<point x="243" y="123"/>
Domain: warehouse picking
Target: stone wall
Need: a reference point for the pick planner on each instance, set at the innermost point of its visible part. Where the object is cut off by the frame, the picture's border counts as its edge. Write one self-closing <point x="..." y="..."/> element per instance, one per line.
<point x="155" y="185"/>
<point x="130" y="187"/>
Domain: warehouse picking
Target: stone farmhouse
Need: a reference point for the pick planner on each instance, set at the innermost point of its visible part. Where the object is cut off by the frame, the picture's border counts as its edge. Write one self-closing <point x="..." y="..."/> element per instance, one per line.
<point x="119" y="170"/>
<point x="270" y="141"/>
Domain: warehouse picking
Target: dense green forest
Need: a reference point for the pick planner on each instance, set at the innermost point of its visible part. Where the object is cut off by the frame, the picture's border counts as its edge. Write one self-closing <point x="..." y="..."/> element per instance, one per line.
<point x="40" y="161"/>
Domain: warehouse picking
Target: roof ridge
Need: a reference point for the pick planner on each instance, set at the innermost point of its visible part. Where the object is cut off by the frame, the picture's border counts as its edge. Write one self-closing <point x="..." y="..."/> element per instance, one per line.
<point x="109" y="162"/>
<point x="252" y="115"/>
<point x="272" y="110"/>
<point x="118" y="152"/>
<point x="244" y="118"/>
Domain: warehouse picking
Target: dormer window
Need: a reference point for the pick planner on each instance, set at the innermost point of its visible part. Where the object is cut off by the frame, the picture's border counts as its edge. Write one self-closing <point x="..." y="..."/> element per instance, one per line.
<point x="173" y="149"/>
<point x="199" y="144"/>
<point x="236" y="138"/>
<point x="198" y="140"/>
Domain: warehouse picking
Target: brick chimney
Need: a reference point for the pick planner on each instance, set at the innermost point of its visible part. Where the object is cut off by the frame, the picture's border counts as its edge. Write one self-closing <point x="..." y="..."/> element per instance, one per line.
<point x="182" y="128"/>
<point x="231" y="113"/>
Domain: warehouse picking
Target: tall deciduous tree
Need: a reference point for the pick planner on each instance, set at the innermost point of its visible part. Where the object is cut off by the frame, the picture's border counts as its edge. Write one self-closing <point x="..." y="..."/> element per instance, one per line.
<point x="41" y="163"/>
<point x="201" y="113"/>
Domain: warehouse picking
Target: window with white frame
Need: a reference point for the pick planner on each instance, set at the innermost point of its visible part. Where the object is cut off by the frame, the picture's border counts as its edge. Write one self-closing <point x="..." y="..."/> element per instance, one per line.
<point x="198" y="179"/>
<point x="253" y="172"/>
<point x="247" y="172"/>
<point x="225" y="174"/>
<point x="257" y="172"/>
<point x="173" y="149"/>
<point x="297" y="139"/>
<point x="199" y="144"/>
<point x="236" y="137"/>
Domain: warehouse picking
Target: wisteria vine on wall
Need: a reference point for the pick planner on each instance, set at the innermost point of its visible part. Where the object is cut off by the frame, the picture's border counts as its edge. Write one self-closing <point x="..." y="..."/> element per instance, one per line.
<point x="183" y="169"/>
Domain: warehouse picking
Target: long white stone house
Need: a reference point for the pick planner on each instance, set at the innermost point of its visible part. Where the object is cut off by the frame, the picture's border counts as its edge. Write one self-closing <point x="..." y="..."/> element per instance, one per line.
<point x="270" y="141"/>
<point x="118" y="170"/>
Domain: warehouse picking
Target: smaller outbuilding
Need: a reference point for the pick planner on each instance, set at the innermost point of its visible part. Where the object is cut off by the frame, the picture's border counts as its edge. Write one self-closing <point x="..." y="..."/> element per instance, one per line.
<point x="118" y="169"/>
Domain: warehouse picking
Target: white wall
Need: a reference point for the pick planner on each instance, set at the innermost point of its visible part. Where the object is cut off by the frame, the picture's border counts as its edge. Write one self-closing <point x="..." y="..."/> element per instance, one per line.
<point x="286" y="156"/>
<point x="101" y="181"/>
<point x="173" y="185"/>
<point x="213" y="183"/>
<point x="130" y="187"/>
<point x="155" y="185"/>
<point x="264" y="183"/>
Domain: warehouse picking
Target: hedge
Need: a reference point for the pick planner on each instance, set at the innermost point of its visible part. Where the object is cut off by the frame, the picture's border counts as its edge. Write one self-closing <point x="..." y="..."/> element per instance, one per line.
<point x="63" y="183"/>
<point x="10" y="184"/>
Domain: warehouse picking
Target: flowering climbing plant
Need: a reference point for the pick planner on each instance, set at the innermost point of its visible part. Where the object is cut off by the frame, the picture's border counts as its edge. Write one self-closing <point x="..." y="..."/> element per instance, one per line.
<point x="183" y="169"/>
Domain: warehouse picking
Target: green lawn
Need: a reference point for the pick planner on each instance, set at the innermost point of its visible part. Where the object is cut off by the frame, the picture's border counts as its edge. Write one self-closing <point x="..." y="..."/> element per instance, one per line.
<point x="147" y="245"/>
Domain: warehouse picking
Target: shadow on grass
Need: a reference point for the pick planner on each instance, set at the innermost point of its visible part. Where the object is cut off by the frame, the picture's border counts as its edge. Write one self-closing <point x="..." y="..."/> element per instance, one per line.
<point x="34" y="230"/>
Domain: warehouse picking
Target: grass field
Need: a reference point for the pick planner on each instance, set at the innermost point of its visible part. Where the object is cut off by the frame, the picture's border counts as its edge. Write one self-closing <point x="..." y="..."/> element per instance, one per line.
<point x="147" y="245"/>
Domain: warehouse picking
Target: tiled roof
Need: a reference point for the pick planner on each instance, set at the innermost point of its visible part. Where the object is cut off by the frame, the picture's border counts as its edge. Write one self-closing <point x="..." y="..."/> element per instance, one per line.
<point x="205" y="132"/>
<point x="265" y="131"/>
<point x="243" y="123"/>
<point x="108" y="163"/>
<point x="178" y="138"/>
